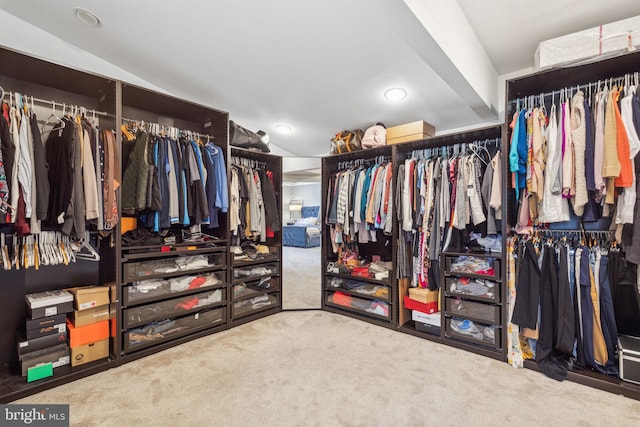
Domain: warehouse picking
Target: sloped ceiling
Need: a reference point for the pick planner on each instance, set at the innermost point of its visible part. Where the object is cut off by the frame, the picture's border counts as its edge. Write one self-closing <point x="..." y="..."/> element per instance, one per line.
<point x="318" y="66"/>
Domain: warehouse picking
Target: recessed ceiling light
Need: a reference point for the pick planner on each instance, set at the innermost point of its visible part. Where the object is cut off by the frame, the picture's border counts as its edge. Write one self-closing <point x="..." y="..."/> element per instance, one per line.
<point x="395" y="94"/>
<point x="87" y="17"/>
<point x="282" y="128"/>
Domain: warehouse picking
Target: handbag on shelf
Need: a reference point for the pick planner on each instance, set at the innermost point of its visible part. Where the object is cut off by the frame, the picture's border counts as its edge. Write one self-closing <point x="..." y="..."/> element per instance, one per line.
<point x="244" y="138"/>
<point x="375" y="136"/>
<point x="346" y="141"/>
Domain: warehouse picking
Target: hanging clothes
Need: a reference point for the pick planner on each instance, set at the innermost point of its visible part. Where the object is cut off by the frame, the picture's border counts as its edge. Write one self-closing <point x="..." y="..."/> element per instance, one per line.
<point x="252" y="202"/>
<point x="557" y="334"/>
<point x="136" y="173"/>
<point x="442" y="195"/>
<point x="579" y="138"/>
<point x="575" y="312"/>
<point x="361" y="203"/>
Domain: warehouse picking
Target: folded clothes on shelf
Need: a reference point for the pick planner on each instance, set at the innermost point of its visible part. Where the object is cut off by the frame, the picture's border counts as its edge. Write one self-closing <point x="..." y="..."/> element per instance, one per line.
<point x="360" y="287"/>
<point x="193" y="302"/>
<point x="147" y="288"/>
<point x="256" y="302"/>
<point x="476" y="331"/>
<point x="475" y="287"/>
<point x="192" y="262"/>
<point x="473" y="265"/>
<point x="376" y="307"/>
<point x="162" y="266"/>
<point x="256" y="271"/>
<point x="490" y="243"/>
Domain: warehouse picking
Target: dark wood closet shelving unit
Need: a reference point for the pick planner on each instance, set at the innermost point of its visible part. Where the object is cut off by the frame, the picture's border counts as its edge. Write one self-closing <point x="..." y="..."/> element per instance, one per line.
<point x="330" y="165"/>
<point x="442" y="335"/>
<point x="239" y="313"/>
<point x="555" y="79"/>
<point x="44" y="80"/>
<point x="41" y="79"/>
<point x="145" y="105"/>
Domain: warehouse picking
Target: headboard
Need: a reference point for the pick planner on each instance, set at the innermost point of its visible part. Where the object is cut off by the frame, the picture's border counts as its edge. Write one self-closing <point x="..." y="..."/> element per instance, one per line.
<point x="310" y="211"/>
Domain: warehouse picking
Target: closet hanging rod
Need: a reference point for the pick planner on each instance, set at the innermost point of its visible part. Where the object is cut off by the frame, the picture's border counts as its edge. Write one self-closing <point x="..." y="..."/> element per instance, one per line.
<point x="458" y="148"/>
<point x="243" y="161"/>
<point x="627" y="78"/>
<point x="346" y="164"/>
<point x="558" y="231"/>
<point x="162" y="127"/>
<point x="60" y="104"/>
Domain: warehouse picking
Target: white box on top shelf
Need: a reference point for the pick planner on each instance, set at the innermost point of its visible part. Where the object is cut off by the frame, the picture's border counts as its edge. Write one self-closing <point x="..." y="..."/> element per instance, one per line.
<point x="590" y="44"/>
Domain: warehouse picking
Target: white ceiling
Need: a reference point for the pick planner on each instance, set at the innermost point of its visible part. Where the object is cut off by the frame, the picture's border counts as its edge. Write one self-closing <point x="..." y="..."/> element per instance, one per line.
<point x="320" y="67"/>
<point x="510" y="30"/>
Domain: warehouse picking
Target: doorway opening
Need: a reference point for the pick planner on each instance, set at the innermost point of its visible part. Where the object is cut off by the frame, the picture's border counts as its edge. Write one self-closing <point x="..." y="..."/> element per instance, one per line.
<point x="301" y="240"/>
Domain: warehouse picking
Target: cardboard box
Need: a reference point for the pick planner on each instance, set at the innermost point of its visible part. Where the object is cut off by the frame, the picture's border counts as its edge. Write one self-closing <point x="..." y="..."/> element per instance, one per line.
<point x="35" y="328"/>
<point x="57" y="356"/>
<point x="90" y="297"/>
<point x="408" y="132"/>
<point x="423" y="295"/>
<point x="429" y="308"/>
<point x="589" y="45"/>
<point x="89" y="352"/>
<point x="87" y="334"/>
<point x="434" y="319"/>
<point x="92" y="315"/>
<point x="42" y="351"/>
<point x="29" y="346"/>
<point x="50" y="303"/>
<point x="113" y="293"/>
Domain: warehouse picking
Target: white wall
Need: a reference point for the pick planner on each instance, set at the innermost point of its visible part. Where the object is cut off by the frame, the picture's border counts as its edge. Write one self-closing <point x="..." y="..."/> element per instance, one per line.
<point x="308" y="192"/>
<point x="502" y="85"/>
<point x="292" y="164"/>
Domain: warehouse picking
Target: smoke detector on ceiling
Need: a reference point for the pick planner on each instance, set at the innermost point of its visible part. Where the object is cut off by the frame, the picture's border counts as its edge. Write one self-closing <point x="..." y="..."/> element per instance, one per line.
<point x="87" y="17"/>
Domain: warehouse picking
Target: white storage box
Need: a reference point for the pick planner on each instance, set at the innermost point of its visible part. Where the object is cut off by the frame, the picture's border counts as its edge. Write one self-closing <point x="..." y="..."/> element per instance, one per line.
<point x="616" y="37"/>
<point x="50" y="303"/>
<point x="434" y="319"/>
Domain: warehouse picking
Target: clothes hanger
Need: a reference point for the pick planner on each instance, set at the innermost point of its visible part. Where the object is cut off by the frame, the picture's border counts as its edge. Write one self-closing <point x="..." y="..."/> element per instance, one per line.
<point x="83" y="249"/>
<point x="56" y="250"/>
<point x="127" y="133"/>
<point x="4" y="253"/>
<point x="42" y="255"/>
<point x="16" y="253"/>
<point x="60" y="124"/>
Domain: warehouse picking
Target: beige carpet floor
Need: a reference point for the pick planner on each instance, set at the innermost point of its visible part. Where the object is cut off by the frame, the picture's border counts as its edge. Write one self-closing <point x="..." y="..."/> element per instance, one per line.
<point x="320" y="369"/>
<point x="301" y="278"/>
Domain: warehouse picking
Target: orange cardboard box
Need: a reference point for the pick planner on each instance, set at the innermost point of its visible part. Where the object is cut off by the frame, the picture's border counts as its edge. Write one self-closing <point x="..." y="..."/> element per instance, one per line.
<point x="87" y="334"/>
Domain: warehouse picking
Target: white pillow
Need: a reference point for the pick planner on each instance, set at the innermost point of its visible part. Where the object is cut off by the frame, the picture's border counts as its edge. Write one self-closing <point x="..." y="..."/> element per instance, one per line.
<point x="307" y="221"/>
